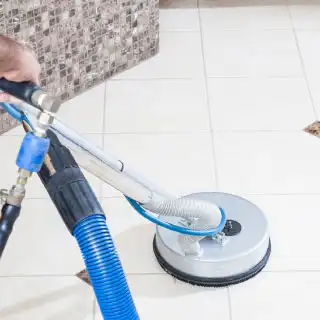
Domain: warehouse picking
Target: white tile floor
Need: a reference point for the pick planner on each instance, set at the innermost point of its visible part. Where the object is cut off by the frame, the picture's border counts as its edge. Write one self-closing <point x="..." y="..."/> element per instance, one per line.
<point x="222" y="107"/>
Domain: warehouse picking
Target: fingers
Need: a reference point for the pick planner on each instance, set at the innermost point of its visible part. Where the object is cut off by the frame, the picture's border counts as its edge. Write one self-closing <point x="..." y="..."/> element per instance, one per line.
<point x="35" y="78"/>
<point x="19" y="76"/>
<point x="25" y="67"/>
<point x="4" y="97"/>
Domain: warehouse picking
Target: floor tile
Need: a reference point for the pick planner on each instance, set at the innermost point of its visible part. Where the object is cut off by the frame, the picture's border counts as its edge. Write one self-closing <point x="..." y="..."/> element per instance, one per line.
<point x="179" y="19"/>
<point x="276" y="296"/>
<point x="159" y="297"/>
<point x="251" y="53"/>
<point x="260" y="104"/>
<point x="292" y="248"/>
<point x="130" y="231"/>
<point x="223" y="16"/>
<point x="17" y="131"/>
<point x="84" y="113"/>
<point x="185" y="45"/>
<point x="314" y="86"/>
<point x="156" y="106"/>
<point x="45" y="298"/>
<point x="268" y="162"/>
<point x="177" y="163"/>
<point x="308" y="41"/>
<point x="35" y="189"/>
<point x="310" y="51"/>
<point x="305" y="14"/>
<point x="40" y="243"/>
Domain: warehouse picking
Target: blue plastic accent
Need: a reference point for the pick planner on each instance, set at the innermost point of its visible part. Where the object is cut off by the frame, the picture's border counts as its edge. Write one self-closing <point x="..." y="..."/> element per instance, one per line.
<point x="15" y="113"/>
<point x="105" y="269"/>
<point x="32" y="152"/>
<point x="173" y="227"/>
<point x="12" y="110"/>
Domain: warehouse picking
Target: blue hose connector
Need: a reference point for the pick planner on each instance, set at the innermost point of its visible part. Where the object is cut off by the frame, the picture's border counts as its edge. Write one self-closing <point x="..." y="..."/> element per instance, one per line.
<point x="105" y="269"/>
<point x="32" y="152"/>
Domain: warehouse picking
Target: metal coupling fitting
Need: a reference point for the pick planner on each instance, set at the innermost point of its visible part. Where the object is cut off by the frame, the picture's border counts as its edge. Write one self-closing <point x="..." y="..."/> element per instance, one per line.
<point x="16" y="195"/>
<point x="18" y="191"/>
<point x="44" y="120"/>
<point x="46" y="102"/>
<point x="4" y="193"/>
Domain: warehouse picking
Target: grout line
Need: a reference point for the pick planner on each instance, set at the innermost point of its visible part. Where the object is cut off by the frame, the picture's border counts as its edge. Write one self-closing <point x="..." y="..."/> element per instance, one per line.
<point x="279" y="194"/>
<point x="193" y="132"/>
<point x="200" y="132"/>
<point x="229" y="303"/>
<point x="300" y="130"/>
<point x="280" y="131"/>
<point x="39" y="276"/>
<point x="94" y="308"/>
<point x="243" y="195"/>
<point x="249" y="29"/>
<point x="291" y="271"/>
<point x="315" y="29"/>
<point x="152" y="274"/>
<point x="235" y="29"/>
<point x="180" y="31"/>
<point x="162" y="274"/>
<point x="151" y="79"/>
<point x="209" y="77"/>
<point x="267" y="77"/>
<point x="213" y="150"/>
<point x="302" y="63"/>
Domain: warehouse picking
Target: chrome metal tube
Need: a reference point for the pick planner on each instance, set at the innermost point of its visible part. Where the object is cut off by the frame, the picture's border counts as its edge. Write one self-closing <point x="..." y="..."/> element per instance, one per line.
<point x="104" y="166"/>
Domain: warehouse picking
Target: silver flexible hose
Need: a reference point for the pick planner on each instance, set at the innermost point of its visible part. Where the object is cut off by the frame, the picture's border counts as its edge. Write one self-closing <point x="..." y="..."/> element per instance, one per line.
<point x="201" y="214"/>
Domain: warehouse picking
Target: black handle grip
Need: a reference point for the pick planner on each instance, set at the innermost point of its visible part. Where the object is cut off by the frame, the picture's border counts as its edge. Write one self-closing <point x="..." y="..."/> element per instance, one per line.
<point x="9" y="215"/>
<point x="20" y="90"/>
<point x="68" y="188"/>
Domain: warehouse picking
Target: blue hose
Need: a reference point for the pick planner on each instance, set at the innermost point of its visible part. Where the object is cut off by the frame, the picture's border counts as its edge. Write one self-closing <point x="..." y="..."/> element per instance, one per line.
<point x="15" y="113"/>
<point x="105" y="269"/>
<point x="175" y="228"/>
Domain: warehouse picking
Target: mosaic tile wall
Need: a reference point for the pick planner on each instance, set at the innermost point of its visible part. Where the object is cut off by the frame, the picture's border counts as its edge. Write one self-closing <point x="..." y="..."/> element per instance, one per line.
<point x="80" y="43"/>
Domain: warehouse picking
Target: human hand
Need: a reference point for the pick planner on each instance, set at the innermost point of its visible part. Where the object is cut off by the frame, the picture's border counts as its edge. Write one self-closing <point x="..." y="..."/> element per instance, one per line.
<point x="18" y="66"/>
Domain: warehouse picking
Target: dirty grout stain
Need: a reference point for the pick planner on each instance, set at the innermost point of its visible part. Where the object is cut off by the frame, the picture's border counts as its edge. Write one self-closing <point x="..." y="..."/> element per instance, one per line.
<point x="313" y="129"/>
<point x="83" y="275"/>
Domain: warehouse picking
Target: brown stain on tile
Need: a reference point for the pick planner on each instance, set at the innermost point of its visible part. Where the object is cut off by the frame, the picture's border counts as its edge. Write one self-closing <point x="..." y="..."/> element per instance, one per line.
<point x="83" y="275"/>
<point x="313" y="129"/>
